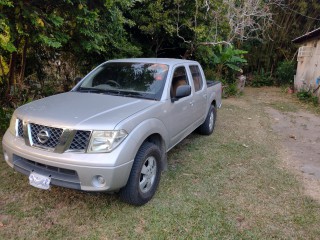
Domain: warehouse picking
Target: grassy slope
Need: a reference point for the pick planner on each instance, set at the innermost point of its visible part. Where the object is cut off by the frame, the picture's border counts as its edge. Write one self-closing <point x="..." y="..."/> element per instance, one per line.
<point x="230" y="185"/>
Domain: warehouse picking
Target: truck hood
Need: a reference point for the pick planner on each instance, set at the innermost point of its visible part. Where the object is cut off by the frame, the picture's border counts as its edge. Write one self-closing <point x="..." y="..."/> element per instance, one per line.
<point x="82" y="111"/>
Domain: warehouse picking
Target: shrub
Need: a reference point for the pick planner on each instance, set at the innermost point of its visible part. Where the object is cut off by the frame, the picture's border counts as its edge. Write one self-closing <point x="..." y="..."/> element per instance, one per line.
<point x="230" y="90"/>
<point x="5" y="116"/>
<point x="261" y="79"/>
<point x="306" y="96"/>
<point x="285" y="73"/>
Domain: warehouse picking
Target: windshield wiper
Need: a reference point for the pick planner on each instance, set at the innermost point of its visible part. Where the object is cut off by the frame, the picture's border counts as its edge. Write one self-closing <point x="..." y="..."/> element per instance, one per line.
<point x="136" y="95"/>
<point x="114" y="92"/>
<point x="90" y="90"/>
<point x="98" y="90"/>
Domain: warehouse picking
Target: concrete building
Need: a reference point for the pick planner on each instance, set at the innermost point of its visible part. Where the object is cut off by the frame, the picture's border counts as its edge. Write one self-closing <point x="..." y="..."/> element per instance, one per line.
<point x="308" y="67"/>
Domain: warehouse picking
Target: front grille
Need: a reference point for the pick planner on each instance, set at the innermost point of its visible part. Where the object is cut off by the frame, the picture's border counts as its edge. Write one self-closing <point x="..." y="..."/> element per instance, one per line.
<point x="50" y="168"/>
<point x="48" y="138"/>
<point x="20" y="128"/>
<point x="59" y="176"/>
<point x="53" y="133"/>
<point x="80" y="141"/>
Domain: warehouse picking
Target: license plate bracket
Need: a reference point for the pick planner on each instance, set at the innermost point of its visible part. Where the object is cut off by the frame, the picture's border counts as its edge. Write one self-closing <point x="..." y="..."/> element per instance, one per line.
<point x="39" y="181"/>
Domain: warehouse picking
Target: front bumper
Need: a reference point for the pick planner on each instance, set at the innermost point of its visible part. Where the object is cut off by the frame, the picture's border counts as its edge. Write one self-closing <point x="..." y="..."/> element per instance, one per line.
<point x="72" y="170"/>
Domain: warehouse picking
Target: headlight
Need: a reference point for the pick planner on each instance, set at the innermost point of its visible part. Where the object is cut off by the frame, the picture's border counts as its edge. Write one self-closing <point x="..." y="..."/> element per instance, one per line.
<point x="13" y="125"/>
<point x="106" y="141"/>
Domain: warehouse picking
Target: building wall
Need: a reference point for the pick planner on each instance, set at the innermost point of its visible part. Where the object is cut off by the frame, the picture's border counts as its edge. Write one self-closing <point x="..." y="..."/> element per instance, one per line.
<point x="308" y="68"/>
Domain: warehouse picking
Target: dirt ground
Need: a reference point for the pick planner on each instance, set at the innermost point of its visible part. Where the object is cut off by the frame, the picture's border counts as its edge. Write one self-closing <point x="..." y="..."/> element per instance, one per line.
<point x="299" y="133"/>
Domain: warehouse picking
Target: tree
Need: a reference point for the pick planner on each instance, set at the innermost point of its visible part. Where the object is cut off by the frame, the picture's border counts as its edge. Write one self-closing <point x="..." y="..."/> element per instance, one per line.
<point x="291" y="19"/>
<point x="91" y="30"/>
<point x="227" y="21"/>
<point x="28" y="23"/>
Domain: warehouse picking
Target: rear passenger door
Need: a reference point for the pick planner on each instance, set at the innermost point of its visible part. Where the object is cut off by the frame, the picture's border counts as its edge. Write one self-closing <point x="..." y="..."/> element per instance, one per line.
<point x="200" y="94"/>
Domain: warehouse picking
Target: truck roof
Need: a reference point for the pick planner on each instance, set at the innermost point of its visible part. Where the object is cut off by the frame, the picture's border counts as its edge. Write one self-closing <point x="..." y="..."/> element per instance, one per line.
<point x="169" y="61"/>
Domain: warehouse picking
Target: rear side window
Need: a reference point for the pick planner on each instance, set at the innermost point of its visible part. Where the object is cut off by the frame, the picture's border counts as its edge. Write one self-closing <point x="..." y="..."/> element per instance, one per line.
<point x="196" y="77"/>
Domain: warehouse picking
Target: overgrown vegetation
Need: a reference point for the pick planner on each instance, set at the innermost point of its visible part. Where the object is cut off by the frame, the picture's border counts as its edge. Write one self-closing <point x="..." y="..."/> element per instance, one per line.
<point x="261" y="79"/>
<point x="285" y="73"/>
<point x="43" y="47"/>
<point x="5" y="116"/>
<point x="307" y="96"/>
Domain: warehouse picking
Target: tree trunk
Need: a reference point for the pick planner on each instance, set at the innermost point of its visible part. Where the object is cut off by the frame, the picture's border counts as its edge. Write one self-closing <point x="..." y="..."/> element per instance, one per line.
<point x="23" y="61"/>
<point x="12" y="70"/>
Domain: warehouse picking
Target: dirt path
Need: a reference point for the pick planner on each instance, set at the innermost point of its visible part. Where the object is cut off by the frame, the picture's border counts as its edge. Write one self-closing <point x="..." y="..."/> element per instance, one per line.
<point x="298" y="131"/>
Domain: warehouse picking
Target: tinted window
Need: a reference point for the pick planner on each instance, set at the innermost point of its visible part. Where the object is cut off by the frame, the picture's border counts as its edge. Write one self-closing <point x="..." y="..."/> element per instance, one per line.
<point x="196" y="77"/>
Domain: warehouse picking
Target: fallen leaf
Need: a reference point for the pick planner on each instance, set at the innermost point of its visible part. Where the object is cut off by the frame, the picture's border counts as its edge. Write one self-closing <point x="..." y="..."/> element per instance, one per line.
<point x="244" y="145"/>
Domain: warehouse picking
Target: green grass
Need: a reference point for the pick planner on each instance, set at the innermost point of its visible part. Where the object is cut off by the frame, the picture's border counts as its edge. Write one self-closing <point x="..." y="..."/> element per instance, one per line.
<point x="285" y="106"/>
<point x="231" y="185"/>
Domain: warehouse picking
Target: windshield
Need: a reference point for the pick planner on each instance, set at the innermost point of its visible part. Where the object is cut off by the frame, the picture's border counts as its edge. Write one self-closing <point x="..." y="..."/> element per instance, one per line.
<point x="141" y="80"/>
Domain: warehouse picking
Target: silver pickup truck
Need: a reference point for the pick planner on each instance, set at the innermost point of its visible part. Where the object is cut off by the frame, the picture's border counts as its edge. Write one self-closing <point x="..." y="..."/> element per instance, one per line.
<point x="113" y="130"/>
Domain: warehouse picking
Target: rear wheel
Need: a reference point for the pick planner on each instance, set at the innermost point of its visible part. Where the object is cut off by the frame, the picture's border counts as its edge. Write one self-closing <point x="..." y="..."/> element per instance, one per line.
<point x="208" y="126"/>
<point x="144" y="177"/>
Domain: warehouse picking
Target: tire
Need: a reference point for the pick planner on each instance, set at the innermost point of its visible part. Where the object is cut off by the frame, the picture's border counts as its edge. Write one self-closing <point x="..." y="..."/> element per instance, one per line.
<point x="207" y="127"/>
<point x="144" y="176"/>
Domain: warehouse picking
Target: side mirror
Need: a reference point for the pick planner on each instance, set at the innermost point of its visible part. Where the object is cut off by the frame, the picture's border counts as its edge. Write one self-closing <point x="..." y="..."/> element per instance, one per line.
<point x="77" y="80"/>
<point x="182" y="91"/>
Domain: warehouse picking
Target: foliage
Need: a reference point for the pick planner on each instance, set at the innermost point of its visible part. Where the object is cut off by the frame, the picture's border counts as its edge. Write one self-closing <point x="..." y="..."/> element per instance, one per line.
<point x="5" y="116"/>
<point x="4" y="69"/>
<point x="227" y="62"/>
<point x="307" y="96"/>
<point x="154" y="25"/>
<point x="291" y="19"/>
<point x="36" y="38"/>
<point x="285" y="73"/>
<point x="228" y="58"/>
<point x="224" y="64"/>
<point x="93" y="31"/>
<point x="261" y="79"/>
<point x="230" y="90"/>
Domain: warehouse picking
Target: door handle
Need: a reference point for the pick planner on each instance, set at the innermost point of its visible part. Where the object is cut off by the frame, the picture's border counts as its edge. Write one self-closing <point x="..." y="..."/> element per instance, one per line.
<point x="191" y="103"/>
<point x="205" y="96"/>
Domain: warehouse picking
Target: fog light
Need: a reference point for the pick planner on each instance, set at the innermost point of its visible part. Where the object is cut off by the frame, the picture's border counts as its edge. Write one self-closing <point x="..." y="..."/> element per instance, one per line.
<point x="6" y="156"/>
<point x="98" y="181"/>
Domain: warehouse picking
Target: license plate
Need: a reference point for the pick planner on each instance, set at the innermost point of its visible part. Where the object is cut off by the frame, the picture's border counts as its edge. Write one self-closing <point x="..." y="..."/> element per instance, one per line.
<point x="39" y="181"/>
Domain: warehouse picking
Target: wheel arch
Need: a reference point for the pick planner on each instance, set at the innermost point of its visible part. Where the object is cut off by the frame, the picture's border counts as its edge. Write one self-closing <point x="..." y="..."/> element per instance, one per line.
<point x="157" y="139"/>
<point x="151" y="130"/>
<point x="214" y="103"/>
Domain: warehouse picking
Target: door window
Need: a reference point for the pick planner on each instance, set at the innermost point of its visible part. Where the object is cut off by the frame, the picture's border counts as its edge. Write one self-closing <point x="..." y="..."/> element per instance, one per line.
<point x="196" y="77"/>
<point x="179" y="78"/>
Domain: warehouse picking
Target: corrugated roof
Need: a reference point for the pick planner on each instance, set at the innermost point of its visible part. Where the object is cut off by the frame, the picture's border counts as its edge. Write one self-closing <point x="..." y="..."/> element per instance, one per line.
<point x="313" y="34"/>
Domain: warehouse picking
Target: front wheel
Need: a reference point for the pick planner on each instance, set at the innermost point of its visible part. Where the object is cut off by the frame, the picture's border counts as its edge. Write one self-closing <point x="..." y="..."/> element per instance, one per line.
<point x="207" y="127"/>
<point x="144" y="177"/>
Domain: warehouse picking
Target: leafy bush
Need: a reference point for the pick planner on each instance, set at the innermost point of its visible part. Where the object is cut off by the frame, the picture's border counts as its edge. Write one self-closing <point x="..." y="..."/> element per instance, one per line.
<point x="306" y="96"/>
<point x="285" y="73"/>
<point x="5" y="116"/>
<point x="227" y="61"/>
<point x="230" y="90"/>
<point x="261" y="79"/>
<point x="211" y="74"/>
